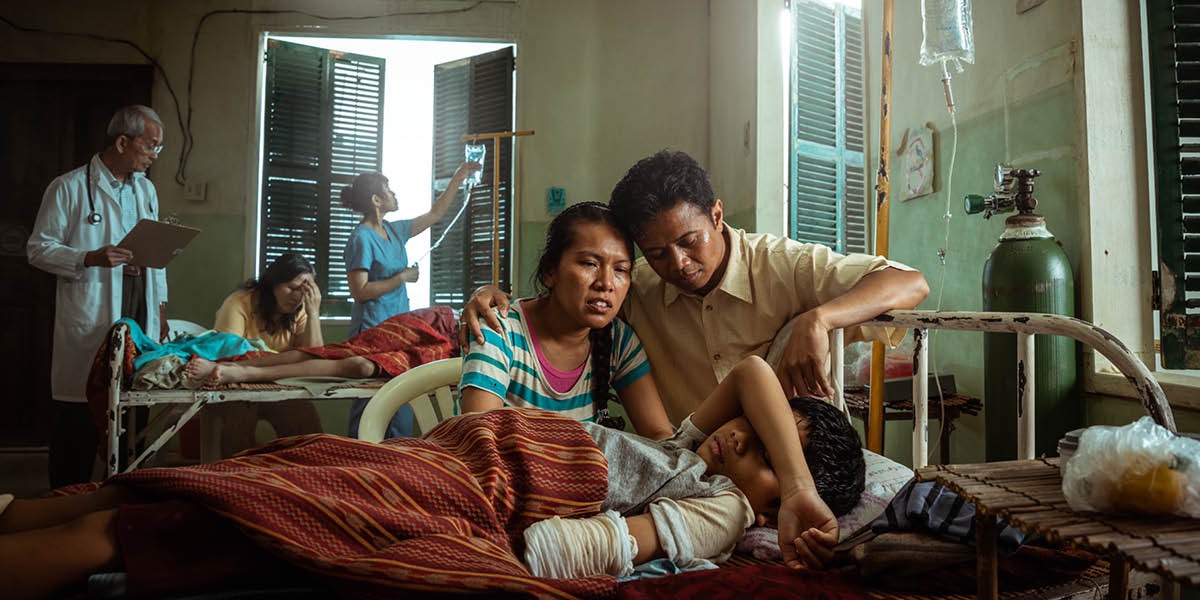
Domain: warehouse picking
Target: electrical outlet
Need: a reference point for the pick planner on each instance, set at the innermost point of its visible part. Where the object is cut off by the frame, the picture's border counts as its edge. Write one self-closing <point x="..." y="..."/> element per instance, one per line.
<point x="195" y="191"/>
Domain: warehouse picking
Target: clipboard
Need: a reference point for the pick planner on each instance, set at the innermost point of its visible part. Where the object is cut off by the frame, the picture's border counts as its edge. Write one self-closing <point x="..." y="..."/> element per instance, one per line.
<point x="154" y="243"/>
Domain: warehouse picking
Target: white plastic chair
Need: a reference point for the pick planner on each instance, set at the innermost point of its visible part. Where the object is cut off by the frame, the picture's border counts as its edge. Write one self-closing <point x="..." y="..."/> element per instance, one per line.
<point x="178" y="327"/>
<point x="427" y="387"/>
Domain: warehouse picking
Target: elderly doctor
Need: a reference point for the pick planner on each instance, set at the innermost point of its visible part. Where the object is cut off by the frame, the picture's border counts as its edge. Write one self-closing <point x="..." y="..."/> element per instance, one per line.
<point x="84" y="213"/>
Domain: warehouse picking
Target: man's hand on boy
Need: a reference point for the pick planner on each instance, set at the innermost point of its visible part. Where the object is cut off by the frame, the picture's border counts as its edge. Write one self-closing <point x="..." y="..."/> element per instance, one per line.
<point x="803" y="368"/>
<point x="808" y="531"/>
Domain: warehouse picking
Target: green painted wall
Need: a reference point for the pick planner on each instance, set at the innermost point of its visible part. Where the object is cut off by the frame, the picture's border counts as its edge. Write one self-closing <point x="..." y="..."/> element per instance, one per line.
<point x="209" y="269"/>
<point x="1043" y="126"/>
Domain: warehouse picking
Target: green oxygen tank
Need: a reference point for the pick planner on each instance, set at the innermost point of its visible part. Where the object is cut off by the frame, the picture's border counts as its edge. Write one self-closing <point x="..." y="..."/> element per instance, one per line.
<point x="1027" y="271"/>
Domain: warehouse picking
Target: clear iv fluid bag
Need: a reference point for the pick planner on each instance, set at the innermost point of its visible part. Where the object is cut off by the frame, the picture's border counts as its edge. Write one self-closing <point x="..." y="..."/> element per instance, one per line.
<point x="947" y="28"/>
<point x="475" y="153"/>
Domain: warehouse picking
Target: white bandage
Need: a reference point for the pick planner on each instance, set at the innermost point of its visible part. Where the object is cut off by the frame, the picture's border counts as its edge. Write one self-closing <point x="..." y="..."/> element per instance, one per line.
<point x="569" y="548"/>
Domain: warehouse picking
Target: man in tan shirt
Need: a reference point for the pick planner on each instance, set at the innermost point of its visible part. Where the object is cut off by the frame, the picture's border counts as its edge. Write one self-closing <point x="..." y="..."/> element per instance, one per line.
<point x="706" y="295"/>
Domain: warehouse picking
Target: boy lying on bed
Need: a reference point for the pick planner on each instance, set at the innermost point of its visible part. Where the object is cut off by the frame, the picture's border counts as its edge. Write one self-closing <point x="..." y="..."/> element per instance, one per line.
<point x="449" y="511"/>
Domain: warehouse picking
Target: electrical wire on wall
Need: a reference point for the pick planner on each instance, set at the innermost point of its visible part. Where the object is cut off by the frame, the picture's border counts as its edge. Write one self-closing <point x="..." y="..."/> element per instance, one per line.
<point x="946" y="25"/>
<point x="185" y="125"/>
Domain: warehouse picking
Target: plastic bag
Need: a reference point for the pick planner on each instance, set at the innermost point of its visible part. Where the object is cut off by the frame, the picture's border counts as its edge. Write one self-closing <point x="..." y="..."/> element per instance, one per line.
<point x="475" y="153"/>
<point x="946" y="25"/>
<point x="1138" y="468"/>
<point x="898" y="361"/>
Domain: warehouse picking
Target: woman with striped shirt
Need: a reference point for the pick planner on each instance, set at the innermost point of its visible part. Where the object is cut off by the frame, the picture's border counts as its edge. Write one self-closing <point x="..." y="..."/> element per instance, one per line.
<point x="563" y="349"/>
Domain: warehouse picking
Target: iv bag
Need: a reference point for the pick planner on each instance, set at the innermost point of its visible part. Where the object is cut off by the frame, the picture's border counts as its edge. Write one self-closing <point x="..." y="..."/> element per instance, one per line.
<point x="947" y="28"/>
<point x="475" y="153"/>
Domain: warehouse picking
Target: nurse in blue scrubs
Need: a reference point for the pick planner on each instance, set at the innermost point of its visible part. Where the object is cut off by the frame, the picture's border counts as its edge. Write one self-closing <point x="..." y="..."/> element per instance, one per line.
<point x="377" y="264"/>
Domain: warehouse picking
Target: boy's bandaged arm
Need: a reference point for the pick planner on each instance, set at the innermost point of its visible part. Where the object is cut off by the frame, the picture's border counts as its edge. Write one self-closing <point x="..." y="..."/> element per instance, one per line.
<point x="691" y="532"/>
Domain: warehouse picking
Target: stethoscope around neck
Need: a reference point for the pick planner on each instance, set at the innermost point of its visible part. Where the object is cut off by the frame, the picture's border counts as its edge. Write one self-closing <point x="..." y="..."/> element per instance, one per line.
<point x="94" y="217"/>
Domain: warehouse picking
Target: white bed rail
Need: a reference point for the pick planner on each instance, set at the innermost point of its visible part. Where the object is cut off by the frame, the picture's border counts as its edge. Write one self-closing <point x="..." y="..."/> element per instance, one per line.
<point x="1025" y="326"/>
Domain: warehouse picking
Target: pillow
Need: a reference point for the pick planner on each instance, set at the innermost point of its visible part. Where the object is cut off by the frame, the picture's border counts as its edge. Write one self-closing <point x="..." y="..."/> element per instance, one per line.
<point x="884" y="477"/>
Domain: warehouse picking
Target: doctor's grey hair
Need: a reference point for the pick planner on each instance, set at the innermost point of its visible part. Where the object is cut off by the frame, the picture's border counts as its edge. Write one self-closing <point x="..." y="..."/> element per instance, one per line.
<point x="130" y="121"/>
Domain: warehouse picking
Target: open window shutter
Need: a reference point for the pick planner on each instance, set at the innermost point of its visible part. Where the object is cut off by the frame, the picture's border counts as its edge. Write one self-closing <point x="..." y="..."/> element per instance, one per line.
<point x="324" y="118"/>
<point x="356" y="147"/>
<point x="827" y="178"/>
<point x="472" y="95"/>
<point x="1174" y="40"/>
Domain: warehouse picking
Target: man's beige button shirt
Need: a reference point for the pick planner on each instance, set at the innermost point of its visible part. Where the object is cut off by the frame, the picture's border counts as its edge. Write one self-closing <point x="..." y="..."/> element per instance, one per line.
<point x="694" y="341"/>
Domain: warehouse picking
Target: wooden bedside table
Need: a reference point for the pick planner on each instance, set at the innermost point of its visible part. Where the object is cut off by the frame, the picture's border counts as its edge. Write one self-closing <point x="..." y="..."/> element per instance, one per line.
<point x="1028" y="495"/>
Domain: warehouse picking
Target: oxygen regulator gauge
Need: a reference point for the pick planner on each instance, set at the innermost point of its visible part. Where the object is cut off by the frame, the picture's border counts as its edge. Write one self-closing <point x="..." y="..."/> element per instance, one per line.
<point x="1013" y="190"/>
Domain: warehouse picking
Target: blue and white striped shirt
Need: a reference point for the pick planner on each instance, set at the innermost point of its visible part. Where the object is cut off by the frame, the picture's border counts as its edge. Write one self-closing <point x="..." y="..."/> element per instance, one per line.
<point x="506" y="365"/>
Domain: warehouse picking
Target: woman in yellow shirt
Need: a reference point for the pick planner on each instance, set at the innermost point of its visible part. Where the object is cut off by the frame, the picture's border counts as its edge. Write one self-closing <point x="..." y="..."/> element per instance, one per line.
<point x="282" y="308"/>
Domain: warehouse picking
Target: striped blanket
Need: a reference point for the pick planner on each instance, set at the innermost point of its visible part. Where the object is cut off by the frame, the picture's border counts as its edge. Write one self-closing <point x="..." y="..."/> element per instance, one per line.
<point x="443" y="513"/>
<point x="395" y="345"/>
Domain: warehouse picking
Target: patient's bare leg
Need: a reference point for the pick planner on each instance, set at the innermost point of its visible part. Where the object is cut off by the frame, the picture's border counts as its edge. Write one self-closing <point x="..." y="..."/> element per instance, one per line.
<point x="200" y="370"/>
<point x="43" y="563"/>
<point x="39" y="513"/>
<point x="236" y="372"/>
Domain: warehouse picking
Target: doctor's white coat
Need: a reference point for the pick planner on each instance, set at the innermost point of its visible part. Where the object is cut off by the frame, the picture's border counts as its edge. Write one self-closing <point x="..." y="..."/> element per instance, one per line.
<point x="88" y="299"/>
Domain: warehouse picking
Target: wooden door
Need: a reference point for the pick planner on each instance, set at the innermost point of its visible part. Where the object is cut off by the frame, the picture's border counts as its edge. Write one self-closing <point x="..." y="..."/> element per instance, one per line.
<point x="54" y="121"/>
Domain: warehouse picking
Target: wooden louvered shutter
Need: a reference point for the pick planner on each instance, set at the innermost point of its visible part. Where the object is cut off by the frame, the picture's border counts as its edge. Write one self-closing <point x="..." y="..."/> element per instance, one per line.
<point x="1174" y="45"/>
<point x="828" y="193"/>
<point x="324" y="123"/>
<point x="472" y="95"/>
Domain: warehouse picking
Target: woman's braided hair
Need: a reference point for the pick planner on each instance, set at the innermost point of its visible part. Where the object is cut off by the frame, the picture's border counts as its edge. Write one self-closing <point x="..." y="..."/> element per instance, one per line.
<point x="559" y="236"/>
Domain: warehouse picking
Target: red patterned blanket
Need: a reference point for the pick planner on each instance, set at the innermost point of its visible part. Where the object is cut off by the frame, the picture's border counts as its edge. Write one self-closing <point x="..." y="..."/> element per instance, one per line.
<point x="395" y="345"/>
<point x="444" y="513"/>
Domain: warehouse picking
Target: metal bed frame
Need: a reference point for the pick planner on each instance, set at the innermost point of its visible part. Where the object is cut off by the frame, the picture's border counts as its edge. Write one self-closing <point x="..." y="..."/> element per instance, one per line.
<point x="121" y="400"/>
<point x="1024" y="325"/>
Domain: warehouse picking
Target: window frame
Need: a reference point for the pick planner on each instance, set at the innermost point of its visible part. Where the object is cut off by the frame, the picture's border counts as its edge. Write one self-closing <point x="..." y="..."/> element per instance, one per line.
<point x="848" y="211"/>
<point x="484" y="104"/>
<point x="335" y="158"/>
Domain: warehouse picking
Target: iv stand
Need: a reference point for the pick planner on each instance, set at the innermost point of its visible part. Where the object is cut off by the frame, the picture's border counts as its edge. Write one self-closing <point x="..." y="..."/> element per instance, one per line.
<point x="495" y="137"/>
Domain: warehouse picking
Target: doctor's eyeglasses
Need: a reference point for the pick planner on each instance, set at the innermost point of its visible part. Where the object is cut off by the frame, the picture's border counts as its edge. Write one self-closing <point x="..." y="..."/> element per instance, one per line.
<point x="151" y="149"/>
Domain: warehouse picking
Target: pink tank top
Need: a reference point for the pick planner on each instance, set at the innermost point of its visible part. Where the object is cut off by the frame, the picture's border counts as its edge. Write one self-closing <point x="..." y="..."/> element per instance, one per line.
<point x="560" y="381"/>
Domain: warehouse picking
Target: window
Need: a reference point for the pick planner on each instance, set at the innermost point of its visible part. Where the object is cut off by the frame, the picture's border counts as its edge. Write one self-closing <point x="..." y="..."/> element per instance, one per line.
<point x="323" y="126"/>
<point x="1174" y="55"/>
<point x="828" y="193"/>
<point x="472" y="96"/>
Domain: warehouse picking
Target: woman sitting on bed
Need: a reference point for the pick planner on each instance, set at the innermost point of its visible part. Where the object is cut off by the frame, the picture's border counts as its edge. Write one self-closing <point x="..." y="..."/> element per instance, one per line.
<point x="563" y="349"/>
<point x="281" y="308"/>
<point x="370" y="519"/>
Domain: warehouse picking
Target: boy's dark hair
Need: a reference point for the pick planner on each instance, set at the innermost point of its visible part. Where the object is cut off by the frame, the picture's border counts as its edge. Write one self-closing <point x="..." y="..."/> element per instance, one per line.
<point x="655" y="184"/>
<point x="834" y="454"/>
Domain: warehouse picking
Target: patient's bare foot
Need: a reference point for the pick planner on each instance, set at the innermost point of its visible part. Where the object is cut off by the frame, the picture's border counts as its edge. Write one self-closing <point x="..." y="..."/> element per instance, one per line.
<point x="198" y="372"/>
<point x="229" y="373"/>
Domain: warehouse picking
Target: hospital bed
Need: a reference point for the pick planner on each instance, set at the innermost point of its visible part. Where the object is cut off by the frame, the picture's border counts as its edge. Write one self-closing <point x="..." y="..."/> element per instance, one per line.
<point x="746" y="576"/>
<point x="184" y="404"/>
